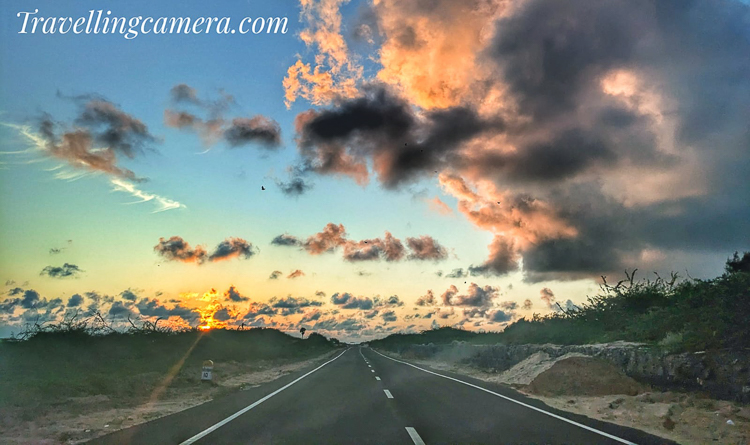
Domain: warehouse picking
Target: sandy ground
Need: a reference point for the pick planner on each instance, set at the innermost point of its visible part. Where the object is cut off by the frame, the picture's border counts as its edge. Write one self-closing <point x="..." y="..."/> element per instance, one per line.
<point x="683" y="417"/>
<point x="79" y="419"/>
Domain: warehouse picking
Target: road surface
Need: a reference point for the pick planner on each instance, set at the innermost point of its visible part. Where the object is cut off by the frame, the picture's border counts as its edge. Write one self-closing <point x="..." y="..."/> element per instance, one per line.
<point x="361" y="396"/>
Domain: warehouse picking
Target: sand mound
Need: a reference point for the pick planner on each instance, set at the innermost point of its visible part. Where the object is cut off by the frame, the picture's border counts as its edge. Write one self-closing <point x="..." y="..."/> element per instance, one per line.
<point x="524" y="372"/>
<point x="583" y="376"/>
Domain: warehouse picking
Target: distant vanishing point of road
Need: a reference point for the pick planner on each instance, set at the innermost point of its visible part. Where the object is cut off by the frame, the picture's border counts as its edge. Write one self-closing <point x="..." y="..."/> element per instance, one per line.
<point x="361" y="396"/>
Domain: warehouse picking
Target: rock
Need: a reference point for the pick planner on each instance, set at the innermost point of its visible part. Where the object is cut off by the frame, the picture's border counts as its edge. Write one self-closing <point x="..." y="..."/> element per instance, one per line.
<point x="616" y="403"/>
<point x="743" y="413"/>
<point x="658" y="409"/>
<point x="729" y="422"/>
<point x="668" y="423"/>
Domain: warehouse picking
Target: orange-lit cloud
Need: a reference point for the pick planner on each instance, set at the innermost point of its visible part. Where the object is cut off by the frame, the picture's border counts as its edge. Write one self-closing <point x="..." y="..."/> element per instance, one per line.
<point x="517" y="222"/>
<point x="438" y="206"/>
<point x="333" y="73"/>
<point x="430" y="50"/>
<point x="177" y="249"/>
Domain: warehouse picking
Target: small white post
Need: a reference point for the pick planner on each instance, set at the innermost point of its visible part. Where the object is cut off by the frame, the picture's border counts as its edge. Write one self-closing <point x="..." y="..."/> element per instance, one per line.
<point x="208" y="367"/>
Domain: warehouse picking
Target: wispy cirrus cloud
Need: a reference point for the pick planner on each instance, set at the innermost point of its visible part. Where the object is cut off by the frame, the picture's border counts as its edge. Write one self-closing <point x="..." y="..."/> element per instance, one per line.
<point x="102" y="135"/>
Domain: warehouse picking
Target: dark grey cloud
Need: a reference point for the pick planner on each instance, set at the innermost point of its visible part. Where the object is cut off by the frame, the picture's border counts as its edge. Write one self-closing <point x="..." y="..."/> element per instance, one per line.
<point x="349" y="301"/>
<point x="312" y="315"/>
<point x="695" y="52"/>
<point x="129" y="295"/>
<point x="458" y="273"/>
<point x="120" y="310"/>
<point x="232" y="294"/>
<point x="426" y="248"/>
<point x="381" y="125"/>
<point x="64" y="271"/>
<point x="75" y="300"/>
<point x="177" y="249"/>
<point x="509" y="305"/>
<point x="29" y="299"/>
<point x="345" y="324"/>
<point x="503" y="259"/>
<point x="275" y="275"/>
<point x="296" y="186"/>
<point x="222" y="314"/>
<point x="232" y="248"/>
<point x="426" y="300"/>
<point x="114" y="128"/>
<point x="476" y="296"/>
<point x="261" y="130"/>
<point x="290" y="302"/>
<point x="258" y="130"/>
<point x="258" y="309"/>
<point x="500" y="316"/>
<point x="153" y="308"/>
<point x="184" y="93"/>
<point x="548" y="297"/>
<point x="392" y="301"/>
<point x="286" y="240"/>
<point x="388" y="248"/>
<point x="389" y="316"/>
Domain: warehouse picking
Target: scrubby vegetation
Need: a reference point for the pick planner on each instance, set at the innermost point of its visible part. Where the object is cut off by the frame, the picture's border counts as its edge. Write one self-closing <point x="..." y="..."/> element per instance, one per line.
<point x="87" y="358"/>
<point x="677" y="315"/>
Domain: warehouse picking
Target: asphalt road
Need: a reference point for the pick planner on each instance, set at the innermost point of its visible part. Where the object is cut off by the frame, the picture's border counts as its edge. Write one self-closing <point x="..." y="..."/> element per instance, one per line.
<point x="362" y="397"/>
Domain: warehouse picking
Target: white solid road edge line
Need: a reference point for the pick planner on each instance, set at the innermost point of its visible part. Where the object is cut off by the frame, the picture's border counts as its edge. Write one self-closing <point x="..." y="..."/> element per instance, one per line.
<point x="414" y="436"/>
<point x="594" y="430"/>
<point x="211" y="429"/>
<point x="388" y="394"/>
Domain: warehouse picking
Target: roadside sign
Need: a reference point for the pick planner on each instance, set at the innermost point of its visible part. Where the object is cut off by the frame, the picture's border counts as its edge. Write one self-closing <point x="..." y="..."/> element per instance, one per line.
<point x="208" y="367"/>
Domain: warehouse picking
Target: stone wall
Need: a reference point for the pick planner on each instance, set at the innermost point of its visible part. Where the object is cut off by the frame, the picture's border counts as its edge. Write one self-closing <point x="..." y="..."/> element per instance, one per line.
<point x="723" y="374"/>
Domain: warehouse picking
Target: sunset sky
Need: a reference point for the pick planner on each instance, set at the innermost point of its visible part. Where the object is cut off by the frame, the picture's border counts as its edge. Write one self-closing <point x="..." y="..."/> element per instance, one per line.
<point x="383" y="166"/>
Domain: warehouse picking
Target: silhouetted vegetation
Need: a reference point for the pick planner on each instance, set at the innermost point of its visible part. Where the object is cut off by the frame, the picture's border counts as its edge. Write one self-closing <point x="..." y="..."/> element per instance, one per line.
<point x="678" y="315"/>
<point x="440" y="336"/>
<point x="77" y="358"/>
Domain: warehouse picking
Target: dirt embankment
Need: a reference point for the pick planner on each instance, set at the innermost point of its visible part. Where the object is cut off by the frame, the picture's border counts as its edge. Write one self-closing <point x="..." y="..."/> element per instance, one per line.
<point x="79" y="419"/>
<point x="596" y="388"/>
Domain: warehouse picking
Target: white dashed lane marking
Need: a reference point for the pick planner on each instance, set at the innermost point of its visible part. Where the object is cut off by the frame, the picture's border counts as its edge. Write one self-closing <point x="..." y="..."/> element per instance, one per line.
<point x="414" y="436"/>
<point x="388" y="394"/>
<point x="377" y="378"/>
<point x="586" y="427"/>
